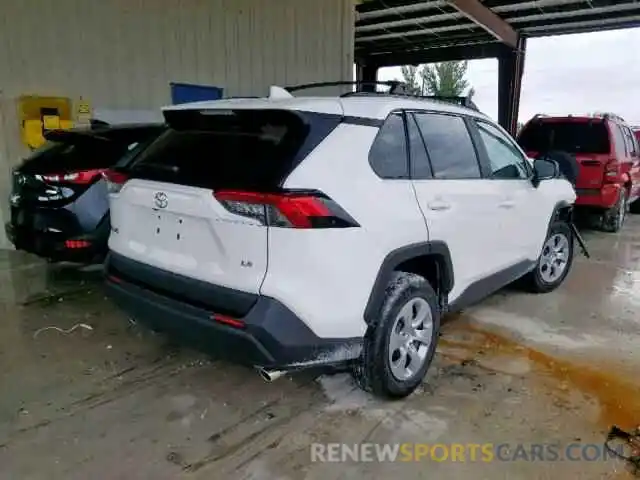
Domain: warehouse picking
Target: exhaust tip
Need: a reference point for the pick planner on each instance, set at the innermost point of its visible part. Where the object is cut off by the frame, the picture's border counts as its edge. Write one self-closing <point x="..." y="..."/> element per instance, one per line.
<point x="269" y="375"/>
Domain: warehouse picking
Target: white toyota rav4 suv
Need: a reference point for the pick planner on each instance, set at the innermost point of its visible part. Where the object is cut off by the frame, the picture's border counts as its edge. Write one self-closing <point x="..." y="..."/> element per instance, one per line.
<point x="287" y="232"/>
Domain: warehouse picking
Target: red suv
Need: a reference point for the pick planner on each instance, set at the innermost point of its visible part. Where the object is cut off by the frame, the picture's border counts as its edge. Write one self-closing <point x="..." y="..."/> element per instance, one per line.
<point x="608" y="158"/>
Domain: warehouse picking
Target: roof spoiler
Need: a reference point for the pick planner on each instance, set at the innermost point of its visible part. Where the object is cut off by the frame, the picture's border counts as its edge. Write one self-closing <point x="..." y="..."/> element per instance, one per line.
<point x="61" y="135"/>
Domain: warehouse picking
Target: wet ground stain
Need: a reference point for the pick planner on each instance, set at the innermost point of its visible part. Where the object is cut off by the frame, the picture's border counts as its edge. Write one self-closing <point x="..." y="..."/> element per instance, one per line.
<point x="618" y="396"/>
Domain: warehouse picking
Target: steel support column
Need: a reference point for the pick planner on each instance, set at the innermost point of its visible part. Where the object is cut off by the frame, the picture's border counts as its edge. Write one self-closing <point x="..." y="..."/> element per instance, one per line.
<point x="367" y="73"/>
<point x="510" y="70"/>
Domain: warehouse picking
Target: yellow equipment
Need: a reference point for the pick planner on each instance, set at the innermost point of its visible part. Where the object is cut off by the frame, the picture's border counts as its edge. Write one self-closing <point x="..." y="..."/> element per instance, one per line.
<point x="39" y="114"/>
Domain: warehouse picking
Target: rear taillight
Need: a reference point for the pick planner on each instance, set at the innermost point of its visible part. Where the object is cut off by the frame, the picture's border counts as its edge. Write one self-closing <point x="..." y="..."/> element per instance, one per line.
<point x="611" y="172"/>
<point x="115" y="180"/>
<point x="289" y="209"/>
<point x="82" y="177"/>
<point x="226" y="320"/>
<point x="73" y="244"/>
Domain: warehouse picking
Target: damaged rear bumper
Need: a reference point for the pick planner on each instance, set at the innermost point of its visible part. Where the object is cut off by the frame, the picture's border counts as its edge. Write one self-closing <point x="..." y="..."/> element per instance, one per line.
<point x="258" y="331"/>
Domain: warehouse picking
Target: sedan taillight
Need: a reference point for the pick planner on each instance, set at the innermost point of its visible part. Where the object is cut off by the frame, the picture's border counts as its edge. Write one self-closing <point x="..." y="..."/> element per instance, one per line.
<point x="81" y="177"/>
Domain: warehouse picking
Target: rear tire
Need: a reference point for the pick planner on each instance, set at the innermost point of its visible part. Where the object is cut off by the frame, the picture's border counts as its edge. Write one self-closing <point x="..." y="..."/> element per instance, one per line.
<point x="613" y="218"/>
<point x="554" y="262"/>
<point x="399" y="347"/>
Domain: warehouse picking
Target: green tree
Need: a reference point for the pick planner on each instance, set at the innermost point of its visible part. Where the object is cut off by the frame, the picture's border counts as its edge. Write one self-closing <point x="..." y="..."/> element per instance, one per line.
<point x="446" y="79"/>
<point x="411" y="76"/>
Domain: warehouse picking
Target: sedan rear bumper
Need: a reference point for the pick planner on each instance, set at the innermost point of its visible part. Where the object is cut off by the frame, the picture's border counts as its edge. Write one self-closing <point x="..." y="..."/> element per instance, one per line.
<point x="57" y="246"/>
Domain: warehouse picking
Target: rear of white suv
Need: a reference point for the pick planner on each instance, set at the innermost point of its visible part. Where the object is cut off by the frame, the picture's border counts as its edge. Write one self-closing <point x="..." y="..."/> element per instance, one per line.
<point x="220" y="236"/>
<point x="291" y="233"/>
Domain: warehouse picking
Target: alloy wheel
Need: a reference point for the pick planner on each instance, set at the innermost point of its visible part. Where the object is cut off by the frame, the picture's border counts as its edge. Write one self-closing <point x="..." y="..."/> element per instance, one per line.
<point x="554" y="258"/>
<point x="410" y="339"/>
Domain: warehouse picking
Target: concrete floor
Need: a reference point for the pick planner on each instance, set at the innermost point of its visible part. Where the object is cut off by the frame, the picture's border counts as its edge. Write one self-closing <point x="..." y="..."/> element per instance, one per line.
<point x="109" y="399"/>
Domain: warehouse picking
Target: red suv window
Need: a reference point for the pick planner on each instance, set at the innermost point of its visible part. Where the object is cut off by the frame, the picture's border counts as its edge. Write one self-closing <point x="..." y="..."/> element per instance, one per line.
<point x="569" y="136"/>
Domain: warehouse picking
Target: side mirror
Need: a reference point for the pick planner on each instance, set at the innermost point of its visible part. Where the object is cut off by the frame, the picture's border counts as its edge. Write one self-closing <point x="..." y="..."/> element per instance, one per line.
<point x="544" y="170"/>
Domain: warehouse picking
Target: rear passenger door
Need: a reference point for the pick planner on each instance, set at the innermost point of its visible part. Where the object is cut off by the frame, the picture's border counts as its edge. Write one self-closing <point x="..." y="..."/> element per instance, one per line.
<point x="459" y="205"/>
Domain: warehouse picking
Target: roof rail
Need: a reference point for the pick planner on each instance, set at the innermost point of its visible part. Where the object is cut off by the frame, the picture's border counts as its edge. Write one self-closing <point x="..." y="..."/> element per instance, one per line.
<point x="394" y="85"/>
<point x="396" y="88"/>
<point x="609" y="116"/>
<point x="462" y="101"/>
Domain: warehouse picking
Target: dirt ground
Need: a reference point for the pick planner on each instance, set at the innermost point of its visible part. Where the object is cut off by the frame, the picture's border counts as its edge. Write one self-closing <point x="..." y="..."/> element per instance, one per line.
<point x="99" y="397"/>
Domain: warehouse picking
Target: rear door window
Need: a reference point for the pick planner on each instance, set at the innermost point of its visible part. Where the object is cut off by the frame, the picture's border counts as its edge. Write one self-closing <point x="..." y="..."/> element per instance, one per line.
<point x="630" y="140"/>
<point x="589" y="137"/>
<point x="618" y="140"/>
<point x="449" y="146"/>
<point x="247" y="149"/>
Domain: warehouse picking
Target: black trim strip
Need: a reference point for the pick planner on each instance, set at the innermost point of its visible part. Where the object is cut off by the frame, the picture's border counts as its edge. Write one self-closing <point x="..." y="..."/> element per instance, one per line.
<point x="484" y="287"/>
<point x="363" y="121"/>
<point x="478" y="145"/>
<point x="435" y="249"/>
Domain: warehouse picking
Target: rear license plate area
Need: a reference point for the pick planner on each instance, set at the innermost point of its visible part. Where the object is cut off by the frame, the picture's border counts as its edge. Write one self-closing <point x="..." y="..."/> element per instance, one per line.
<point x="169" y="229"/>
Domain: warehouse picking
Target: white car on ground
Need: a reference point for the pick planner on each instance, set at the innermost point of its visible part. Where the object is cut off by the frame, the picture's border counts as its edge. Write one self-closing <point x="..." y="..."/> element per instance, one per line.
<point x="288" y="232"/>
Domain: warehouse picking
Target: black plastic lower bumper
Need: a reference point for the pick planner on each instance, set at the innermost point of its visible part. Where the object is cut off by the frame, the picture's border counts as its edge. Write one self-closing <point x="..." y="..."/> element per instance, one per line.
<point x="268" y="335"/>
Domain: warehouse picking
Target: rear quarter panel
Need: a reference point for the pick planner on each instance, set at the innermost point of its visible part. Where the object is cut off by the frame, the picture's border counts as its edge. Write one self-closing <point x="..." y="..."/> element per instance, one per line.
<point x="326" y="275"/>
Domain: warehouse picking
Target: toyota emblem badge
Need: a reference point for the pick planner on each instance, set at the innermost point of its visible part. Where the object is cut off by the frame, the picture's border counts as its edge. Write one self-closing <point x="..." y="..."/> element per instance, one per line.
<point x="161" y="199"/>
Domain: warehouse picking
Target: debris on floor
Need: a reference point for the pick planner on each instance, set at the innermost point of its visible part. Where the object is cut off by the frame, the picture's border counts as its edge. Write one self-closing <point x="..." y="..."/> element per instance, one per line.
<point x="66" y="332"/>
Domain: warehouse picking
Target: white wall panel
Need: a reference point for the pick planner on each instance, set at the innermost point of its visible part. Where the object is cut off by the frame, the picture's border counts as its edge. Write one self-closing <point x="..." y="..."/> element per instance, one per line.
<point x="122" y="54"/>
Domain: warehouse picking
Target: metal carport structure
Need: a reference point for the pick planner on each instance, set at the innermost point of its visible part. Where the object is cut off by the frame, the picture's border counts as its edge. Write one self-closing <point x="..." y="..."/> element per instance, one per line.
<point x="411" y="32"/>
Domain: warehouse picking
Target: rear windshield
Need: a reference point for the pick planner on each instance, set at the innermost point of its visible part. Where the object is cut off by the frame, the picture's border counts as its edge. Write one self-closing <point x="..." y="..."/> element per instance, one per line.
<point x="76" y="155"/>
<point x="572" y="137"/>
<point x="85" y="152"/>
<point x="248" y="149"/>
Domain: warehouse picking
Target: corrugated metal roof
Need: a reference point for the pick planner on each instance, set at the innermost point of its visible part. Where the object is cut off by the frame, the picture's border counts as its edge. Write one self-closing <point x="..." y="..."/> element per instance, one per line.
<point x="385" y="28"/>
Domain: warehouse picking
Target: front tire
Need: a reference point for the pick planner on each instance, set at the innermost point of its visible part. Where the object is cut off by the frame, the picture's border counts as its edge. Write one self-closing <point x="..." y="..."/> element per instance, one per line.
<point x="554" y="262"/>
<point x="400" y="346"/>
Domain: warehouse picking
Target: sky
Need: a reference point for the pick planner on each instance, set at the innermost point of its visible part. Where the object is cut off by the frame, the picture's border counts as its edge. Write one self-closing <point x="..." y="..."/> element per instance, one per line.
<point x="566" y="74"/>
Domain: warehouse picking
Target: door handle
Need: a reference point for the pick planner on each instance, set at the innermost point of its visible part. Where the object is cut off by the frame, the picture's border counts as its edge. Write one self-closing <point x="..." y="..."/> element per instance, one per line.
<point x="507" y="203"/>
<point x="439" y="205"/>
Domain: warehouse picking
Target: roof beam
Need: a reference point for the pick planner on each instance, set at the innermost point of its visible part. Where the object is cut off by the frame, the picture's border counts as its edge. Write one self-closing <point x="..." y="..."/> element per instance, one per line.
<point x="400" y="10"/>
<point x="423" y="20"/>
<point x="413" y="33"/>
<point x="632" y="21"/>
<point x="433" y="55"/>
<point x="485" y="18"/>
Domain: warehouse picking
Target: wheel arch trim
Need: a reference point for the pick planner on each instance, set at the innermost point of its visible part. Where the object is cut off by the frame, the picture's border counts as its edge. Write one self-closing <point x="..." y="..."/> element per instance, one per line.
<point x="437" y="249"/>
